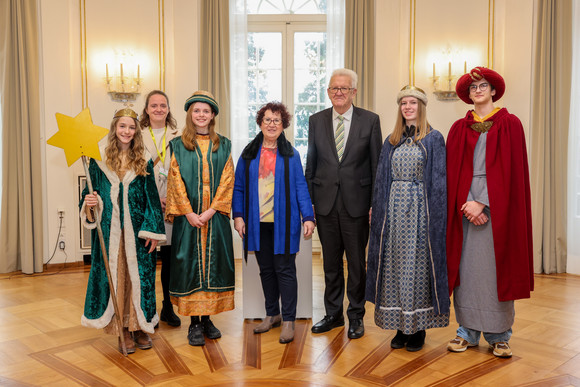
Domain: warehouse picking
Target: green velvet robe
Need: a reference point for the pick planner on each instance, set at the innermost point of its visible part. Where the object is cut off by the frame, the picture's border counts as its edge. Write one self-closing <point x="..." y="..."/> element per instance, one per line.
<point x="186" y="274"/>
<point x="132" y="206"/>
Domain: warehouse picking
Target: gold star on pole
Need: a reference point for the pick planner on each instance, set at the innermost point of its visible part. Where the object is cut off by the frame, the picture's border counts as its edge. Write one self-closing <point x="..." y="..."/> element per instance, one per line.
<point x="78" y="136"/>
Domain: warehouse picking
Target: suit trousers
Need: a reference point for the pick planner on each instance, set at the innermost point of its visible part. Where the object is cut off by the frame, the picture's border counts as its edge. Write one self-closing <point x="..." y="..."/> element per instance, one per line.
<point x="278" y="275"/>
<point x="340" y="232"/>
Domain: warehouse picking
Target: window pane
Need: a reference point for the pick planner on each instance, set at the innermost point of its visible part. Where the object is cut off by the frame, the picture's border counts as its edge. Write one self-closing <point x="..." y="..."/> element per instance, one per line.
<point x="252" y="126"/>
<point x="264" y="73"/>
<point x="268" y="7"/>
<point x="309" y="83"/>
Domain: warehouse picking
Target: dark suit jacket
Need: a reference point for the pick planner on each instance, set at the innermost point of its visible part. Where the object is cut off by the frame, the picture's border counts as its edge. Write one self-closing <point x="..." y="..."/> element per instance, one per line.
<point x="355" y="174"/>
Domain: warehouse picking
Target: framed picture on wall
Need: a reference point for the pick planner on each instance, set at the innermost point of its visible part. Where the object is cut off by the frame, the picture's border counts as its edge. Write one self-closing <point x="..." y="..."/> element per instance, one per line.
<point x="85" y="235"/>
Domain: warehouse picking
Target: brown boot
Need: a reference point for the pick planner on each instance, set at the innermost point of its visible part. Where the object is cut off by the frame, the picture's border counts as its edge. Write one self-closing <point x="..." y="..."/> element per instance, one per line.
<point x="142" y="340"/>
<point x="268" y="323"/>
<point x="287" y="334"/>
<point x="129" y="344"/>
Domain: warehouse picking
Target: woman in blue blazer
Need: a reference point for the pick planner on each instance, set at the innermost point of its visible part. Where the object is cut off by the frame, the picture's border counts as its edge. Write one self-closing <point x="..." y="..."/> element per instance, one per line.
<point x="270" y="196"/>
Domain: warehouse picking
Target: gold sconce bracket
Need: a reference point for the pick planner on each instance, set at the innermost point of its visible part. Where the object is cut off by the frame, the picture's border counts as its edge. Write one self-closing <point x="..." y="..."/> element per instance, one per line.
<point x="123" y="96"/>
<point x="122" y="87"/>
<point x="445" y="95"/>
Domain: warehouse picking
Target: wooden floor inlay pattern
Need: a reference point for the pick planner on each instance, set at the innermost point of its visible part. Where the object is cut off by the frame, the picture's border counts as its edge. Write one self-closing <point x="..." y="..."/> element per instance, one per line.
<point x="43" y="344"/>
<point x="252" y="356"/>
<point x="139" y="372"/>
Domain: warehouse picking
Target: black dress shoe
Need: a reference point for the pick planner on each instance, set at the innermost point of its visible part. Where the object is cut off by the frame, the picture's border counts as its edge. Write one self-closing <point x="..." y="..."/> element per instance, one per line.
<point x="195" y="335"/>
<point x="209" y="330"/>
<point x="168" y="315"/>
<point x="327" y="323"/>
<point x="416" y="341"/>
<point x="400" y="340"/>
<point x="356" y="328"/>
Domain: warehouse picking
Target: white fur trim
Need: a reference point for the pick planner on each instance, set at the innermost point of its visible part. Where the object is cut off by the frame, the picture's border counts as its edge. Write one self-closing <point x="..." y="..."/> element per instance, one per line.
<point x="151" y="235"/>
<point x="412" y="93"/>
<point x="130" y="252"/>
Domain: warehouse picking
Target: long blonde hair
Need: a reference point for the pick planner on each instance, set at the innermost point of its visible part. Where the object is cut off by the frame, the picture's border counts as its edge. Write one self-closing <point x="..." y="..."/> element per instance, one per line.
<point x="422" y="127"/>
<point x="135" y="154"/>
<point x="189" y="136"/>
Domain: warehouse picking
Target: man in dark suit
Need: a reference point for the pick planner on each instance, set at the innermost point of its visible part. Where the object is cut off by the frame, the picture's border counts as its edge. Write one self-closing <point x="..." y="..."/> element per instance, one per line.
<point x="344" y="143"/>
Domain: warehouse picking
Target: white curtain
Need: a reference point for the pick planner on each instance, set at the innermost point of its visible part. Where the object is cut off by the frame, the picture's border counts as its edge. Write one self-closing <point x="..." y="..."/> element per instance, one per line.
<point x="573" y="226"/>
<point x="239" y="64"/>
<point x="335" y="20"/>
<point x="238" y="77"/>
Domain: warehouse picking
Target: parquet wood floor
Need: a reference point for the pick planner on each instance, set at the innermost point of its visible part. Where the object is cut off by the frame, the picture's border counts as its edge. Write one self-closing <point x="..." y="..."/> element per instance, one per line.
<point x="43" y="344"/>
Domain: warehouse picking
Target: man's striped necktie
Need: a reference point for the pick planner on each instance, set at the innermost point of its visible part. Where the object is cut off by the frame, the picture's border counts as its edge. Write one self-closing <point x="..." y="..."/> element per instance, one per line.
<point x="339" y="137"/>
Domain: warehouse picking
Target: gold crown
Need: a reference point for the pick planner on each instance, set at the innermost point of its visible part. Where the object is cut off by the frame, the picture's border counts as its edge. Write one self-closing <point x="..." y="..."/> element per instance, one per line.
<point x="125" y="113"/>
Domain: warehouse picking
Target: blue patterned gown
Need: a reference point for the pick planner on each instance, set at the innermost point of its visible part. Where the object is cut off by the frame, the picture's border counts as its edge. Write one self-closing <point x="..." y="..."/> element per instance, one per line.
<point x="404" y="293"/>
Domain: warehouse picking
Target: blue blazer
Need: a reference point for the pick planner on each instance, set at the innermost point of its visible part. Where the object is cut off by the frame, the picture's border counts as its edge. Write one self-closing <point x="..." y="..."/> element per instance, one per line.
<point x="300" y="202"/>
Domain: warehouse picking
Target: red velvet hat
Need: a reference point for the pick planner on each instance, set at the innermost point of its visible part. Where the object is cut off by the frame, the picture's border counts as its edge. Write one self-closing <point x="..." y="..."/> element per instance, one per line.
<point x="477" y="74"/>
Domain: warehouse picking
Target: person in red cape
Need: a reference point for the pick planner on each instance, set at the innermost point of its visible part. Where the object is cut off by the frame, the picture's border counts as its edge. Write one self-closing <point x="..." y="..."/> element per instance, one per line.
<point x="489" y="224"/>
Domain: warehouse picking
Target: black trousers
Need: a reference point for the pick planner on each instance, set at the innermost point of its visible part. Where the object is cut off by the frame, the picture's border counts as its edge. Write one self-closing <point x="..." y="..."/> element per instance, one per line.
<point x="278" y="275"/>
<point x="164" y="254"/>
<point x="340" y="232"/>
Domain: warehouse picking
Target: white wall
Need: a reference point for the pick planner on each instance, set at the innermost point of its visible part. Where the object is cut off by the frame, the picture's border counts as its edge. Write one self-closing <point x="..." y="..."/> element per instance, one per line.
<point x="462" y="27"/>
<point x="110" y="26"/>
<point x="133" y="24"/>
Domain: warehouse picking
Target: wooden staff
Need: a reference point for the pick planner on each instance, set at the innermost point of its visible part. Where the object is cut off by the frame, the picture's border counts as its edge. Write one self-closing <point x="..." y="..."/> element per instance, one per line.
<point x="106" y="262"/>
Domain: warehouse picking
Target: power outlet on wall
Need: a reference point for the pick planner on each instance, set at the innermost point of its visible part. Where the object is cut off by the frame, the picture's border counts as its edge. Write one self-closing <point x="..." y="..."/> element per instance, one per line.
<point x="61" y="240"/>
<point x="60" y="217"/>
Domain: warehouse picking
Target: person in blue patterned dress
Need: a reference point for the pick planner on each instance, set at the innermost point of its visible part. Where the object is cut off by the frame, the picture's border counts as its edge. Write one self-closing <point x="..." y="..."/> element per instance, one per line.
<point x="406" y="266"/>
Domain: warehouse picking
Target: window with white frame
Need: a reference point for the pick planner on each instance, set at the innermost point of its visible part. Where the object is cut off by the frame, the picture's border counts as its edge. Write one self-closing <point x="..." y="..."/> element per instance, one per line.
<point x="286" y="52"/>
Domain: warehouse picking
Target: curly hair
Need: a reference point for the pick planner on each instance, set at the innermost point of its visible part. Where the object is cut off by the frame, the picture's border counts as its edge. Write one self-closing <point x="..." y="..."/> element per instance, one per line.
<point x="189" y="135"/>
<point x="135" y="154"/>
<point x="146" y="122"/>
<point x="274" y="107"/>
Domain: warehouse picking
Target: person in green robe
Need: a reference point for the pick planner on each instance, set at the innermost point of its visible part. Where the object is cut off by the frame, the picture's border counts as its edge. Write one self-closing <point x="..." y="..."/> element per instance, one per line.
<point x="200" y="185"/>
<point x="126" y="202"/>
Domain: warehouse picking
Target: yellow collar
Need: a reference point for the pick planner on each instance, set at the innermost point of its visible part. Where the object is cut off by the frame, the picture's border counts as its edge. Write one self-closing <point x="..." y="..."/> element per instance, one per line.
<point x="479" y="119"/>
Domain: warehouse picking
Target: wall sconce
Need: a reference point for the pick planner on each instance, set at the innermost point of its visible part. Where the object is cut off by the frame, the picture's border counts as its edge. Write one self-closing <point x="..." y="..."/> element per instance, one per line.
<point x="449" y="94"/>
<point x="122" y="87"/>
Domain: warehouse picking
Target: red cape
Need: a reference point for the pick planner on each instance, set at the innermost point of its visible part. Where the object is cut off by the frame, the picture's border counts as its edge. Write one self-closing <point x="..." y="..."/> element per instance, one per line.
<point x="508" y="186"/>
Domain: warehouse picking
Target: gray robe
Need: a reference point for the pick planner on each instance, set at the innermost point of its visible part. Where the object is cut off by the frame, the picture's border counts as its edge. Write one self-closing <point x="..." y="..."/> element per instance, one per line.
<point x="476" y="300"/>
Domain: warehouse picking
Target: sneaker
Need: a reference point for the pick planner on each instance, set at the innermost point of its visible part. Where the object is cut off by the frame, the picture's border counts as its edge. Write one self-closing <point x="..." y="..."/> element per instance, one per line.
<point x="268" y="323"/>
<point x="459" y="344"/>
<point x="209" y="330"/>
<point x="195" y="335"/>
<point x="400" y="340"/>
<point x="501" y="349"/>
